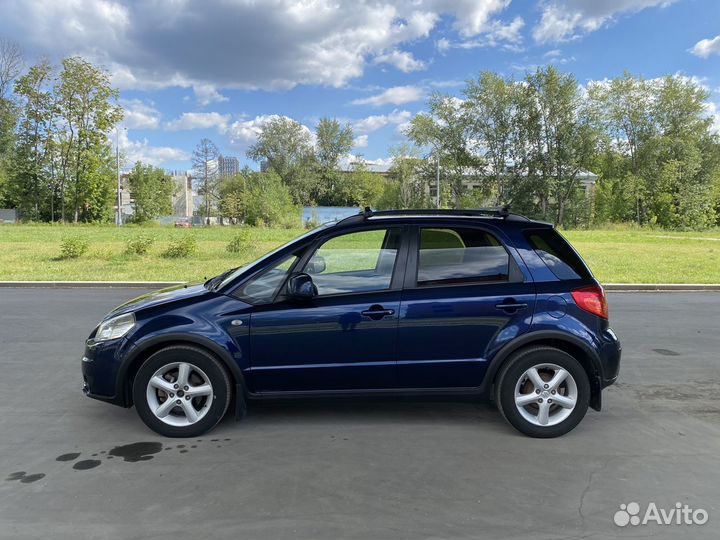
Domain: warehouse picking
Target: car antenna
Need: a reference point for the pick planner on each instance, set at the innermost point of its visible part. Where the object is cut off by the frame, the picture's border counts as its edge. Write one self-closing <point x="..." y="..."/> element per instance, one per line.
<point x="367" y="212"/>
<point x="504" y="211"/>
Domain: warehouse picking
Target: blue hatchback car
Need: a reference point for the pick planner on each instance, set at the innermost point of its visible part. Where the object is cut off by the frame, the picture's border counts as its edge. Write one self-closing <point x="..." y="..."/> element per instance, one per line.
<point x="482" y="303"/>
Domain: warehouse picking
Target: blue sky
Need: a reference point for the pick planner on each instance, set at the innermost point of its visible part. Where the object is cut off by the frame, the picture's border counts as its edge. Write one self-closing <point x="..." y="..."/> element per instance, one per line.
<point x="220" y="68"/>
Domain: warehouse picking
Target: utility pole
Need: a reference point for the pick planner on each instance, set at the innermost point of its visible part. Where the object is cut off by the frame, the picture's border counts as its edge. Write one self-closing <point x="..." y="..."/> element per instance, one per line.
<point x="437" y="202"/>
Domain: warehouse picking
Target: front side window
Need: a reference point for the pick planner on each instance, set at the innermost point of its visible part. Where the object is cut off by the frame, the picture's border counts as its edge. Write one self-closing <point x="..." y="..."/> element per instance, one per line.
<point x="460" y="255"/>
<point x="356" y="262"/>
<point x="262" y="288"/>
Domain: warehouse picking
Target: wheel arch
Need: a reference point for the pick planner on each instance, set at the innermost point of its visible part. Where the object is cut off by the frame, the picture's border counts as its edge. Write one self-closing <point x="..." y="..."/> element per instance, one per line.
<point x="145" y="349"/>
<point x="575" y="347"/>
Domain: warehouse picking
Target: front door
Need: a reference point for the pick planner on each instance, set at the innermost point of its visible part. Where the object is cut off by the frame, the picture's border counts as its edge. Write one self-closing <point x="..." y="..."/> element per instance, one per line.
<point x="345" y="337"/>
<point x="465" y="295"/>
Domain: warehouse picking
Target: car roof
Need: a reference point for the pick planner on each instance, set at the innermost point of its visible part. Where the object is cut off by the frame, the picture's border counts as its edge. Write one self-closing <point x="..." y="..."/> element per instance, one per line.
<point x="496" y="216"/>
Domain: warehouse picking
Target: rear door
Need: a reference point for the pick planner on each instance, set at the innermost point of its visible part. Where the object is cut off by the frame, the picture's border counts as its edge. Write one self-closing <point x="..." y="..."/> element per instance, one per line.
<point x="466" y="294"/>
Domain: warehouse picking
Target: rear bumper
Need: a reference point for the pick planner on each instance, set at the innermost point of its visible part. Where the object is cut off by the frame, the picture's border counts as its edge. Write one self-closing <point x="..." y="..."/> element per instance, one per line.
<point x="610" y="353"/>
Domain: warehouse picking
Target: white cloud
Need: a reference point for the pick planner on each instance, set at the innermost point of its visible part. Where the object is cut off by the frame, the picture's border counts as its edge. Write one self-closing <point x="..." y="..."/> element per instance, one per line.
<point x="507" y="36"/>
<point x="154" y="155"/>
<point x="377" y="121"/>
<point x="713" y="111"/>
<point x="243" y="133"/>
<point x="361" y="141"/>
<point x="207" y="94"/>
<point x="199" y="120"/>
<point x="563" y="20"/>
<point x="140" y="115"/>
<point x="221" y="44"/>
<point x="397" y="95"/>
<point x="706" y="47"/>
<point x="402" y="60"/>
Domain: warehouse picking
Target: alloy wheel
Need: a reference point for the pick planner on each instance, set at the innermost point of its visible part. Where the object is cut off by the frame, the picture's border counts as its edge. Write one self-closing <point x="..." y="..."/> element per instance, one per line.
<point x="546" y="394"/>
<point x="179" y="394"/>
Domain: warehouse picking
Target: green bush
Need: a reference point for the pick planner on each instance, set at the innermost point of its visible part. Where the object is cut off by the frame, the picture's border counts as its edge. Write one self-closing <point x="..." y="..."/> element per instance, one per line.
<point x="138" y="245"/>
<point x="185" y="247"/>
<point x="240" y="242"/>
<point x="72" y="247"/>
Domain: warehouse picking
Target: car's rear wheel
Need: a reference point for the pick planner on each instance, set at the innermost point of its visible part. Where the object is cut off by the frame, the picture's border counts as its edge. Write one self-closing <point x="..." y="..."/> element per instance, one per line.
<point x="542" y="392"/>
<point x="181" y="391"/>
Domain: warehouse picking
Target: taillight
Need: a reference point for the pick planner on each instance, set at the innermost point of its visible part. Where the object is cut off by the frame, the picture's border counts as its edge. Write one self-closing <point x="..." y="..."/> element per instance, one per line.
<point x="592" y="299"/>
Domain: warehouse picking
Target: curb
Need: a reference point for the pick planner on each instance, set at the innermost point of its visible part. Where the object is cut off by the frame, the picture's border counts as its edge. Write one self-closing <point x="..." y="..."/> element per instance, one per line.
<point x="88" y="284"/>
<point x="610" y="287"/>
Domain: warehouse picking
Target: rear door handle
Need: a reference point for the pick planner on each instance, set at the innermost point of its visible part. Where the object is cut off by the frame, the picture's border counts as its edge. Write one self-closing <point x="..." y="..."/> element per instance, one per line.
<point x="511" y="307"/>
<point x="377" y="312"/>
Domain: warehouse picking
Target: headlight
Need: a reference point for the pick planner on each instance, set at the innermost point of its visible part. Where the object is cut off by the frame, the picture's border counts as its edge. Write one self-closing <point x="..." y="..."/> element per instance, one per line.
<point x="116" y="327"/>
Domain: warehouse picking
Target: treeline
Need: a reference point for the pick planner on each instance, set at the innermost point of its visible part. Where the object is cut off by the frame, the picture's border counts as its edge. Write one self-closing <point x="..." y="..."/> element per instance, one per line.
<point x="535" y="143"/>
<point x="527" y="143"/>
<point x="56" y="161"/>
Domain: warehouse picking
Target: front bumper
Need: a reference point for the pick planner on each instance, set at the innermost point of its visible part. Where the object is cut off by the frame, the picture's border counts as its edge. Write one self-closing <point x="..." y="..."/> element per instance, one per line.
<point x="100" y="365"/>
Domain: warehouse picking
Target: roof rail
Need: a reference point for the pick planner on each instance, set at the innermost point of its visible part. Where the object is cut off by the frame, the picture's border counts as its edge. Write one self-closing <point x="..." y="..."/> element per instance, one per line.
<point x="497" y="212"/>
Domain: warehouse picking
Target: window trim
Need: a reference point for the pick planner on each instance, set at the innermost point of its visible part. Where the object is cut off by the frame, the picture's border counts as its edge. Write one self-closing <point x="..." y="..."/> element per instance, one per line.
<point x="236" y="292"/>
<point x="396" y="280"/>
<point x="515" y="274"/>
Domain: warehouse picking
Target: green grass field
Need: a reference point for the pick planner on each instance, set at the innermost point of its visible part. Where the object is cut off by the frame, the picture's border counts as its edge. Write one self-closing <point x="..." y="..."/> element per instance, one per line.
<point x="31" y="252"/>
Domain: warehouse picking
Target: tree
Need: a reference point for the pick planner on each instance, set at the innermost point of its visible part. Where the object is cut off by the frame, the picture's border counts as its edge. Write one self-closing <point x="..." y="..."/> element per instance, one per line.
<point x="406" y="187"/>
<point x="205" y="169"/>
<point x="29" y="185"/>
<point x="445" y="131"/>
<point x="233" y="194"/>
<point x="492" y="106"/>
<point x="152" y="191"/>
<point x="333" y="142"/>
<point x="87" y="110"/>
<point x="286" y="146"/>
<point x="268" y="202"/>
<point x="10" y="68"/>
<point x="567" y="140"/>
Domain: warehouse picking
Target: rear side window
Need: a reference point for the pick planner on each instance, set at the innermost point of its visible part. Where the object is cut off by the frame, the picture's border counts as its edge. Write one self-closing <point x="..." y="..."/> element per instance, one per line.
<point x="460" y="255"/>
<point x="557" y="254"/>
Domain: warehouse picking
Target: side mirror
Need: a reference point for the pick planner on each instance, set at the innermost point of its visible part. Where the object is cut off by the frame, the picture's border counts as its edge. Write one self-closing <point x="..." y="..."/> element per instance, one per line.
<point x="316" y="265"/>
<point x="301" y="287"/>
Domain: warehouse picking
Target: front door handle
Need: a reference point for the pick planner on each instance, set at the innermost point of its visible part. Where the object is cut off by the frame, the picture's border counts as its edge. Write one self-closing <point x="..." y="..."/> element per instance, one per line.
<point x="377" y="312"/>
<point x="511" y="307"/>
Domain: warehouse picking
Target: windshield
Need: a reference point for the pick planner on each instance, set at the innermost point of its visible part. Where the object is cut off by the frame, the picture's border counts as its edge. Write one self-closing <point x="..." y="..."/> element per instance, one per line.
<point x="225" y="278"/>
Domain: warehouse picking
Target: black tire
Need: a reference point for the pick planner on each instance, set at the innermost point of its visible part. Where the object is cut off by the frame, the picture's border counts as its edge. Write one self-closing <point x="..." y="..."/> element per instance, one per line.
<point x="512" y="371"/>
<point x="216" y="374"/>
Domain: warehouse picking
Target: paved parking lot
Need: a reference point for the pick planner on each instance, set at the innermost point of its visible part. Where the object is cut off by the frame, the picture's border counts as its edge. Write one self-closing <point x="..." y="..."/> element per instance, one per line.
<point x="71" y="467"/>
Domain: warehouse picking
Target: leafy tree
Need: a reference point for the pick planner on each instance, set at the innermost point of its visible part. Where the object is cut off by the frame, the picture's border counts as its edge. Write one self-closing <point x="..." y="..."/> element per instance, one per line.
<point x="445" y="130"/>
<point x="493" y="110"/>
<point x="205" y="168"/>
<point x="87" y="111"/>
<point x="286" y="146"/>
<point x="268" y="202"/>
<point x="152" y="191"/>
<point x="29" y="183"/>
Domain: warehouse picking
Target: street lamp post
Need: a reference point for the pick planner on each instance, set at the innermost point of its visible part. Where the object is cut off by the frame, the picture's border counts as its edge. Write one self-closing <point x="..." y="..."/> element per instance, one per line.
<point x="118" y="217"/>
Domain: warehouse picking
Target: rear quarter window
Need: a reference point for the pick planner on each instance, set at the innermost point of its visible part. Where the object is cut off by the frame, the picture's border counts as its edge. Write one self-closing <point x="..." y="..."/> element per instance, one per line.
<point x="557" y="254"/>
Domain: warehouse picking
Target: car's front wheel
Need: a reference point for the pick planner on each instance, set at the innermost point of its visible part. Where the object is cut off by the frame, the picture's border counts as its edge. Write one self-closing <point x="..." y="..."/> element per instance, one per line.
<point x="543" y="392"/>
<point x="181" y="391"/>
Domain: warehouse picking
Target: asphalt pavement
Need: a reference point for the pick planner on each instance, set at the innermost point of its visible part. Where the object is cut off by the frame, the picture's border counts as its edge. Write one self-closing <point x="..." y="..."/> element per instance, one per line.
<point x="75" y="468"/>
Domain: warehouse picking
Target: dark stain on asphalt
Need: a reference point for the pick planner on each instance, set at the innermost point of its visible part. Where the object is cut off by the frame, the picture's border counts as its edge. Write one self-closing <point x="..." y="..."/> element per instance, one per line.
<point x="666" y="352"/>
<point x="140" y="451"/>
<point x="86" y="464"/>
<point x="24" y="477"/>
<point x="68" y="457"/>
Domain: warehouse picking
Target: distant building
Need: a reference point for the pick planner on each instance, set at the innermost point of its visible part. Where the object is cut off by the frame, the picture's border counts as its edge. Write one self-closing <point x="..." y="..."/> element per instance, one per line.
<point x="228" y="166"/>
<point x="183" y="197"/>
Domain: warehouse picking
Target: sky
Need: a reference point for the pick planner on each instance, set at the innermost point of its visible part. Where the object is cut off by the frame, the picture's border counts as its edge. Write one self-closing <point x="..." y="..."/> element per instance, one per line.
<point x="188" y="69"/>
